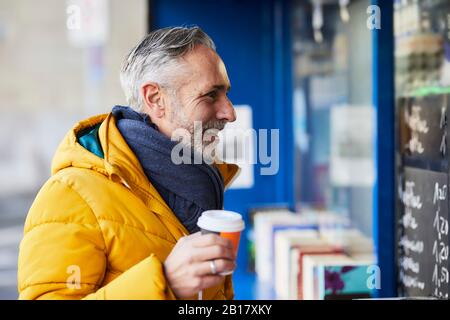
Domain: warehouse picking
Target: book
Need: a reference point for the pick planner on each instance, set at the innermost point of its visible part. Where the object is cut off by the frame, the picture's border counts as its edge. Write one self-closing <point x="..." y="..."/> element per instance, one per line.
<point x="284" y="241"/>
<point x="298" y="252"/>
<point x="349" y="238"/>
<point x="266" y="224"/>
<point x="335" y="277"/>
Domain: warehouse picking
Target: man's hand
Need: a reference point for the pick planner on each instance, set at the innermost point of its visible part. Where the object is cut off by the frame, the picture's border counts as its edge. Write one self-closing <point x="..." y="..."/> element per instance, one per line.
<point x="188" y="268"/>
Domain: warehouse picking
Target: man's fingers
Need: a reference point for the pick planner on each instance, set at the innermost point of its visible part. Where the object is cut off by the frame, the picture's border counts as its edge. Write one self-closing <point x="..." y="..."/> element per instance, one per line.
<point x="220" y="265"/>
<point x="207" y="240"/>
<point x="184" y="239"/>
<point x="193" y="235"/>
<point x="211" y="253"/>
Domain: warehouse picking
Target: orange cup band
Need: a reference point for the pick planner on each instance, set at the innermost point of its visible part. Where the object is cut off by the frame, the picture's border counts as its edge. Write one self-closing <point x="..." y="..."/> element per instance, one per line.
<point x="233" y="237"/>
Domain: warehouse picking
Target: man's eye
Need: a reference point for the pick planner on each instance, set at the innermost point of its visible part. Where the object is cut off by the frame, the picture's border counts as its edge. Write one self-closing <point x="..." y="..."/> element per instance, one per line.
<point x="212" y="94"/>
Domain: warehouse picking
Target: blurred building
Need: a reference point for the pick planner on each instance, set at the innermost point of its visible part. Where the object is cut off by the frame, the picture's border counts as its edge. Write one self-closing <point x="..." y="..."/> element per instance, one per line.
<point x="51" y="77"/>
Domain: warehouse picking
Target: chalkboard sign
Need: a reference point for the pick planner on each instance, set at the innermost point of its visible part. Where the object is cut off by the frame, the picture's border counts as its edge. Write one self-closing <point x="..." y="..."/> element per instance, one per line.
<point x="423" y="201"/>
<point x="423" y="236"/>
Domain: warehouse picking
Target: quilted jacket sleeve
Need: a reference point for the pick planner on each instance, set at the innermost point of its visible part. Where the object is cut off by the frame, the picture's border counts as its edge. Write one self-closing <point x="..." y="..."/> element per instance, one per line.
<point x="63" y="254"/>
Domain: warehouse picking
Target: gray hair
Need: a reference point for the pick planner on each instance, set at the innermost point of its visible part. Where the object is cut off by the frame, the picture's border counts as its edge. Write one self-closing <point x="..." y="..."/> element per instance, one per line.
<point x="155" y="57"/>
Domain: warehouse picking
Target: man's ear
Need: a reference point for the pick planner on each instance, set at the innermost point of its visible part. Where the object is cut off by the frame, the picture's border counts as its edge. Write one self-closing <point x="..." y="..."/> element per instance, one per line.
<point x="152" y="97"/>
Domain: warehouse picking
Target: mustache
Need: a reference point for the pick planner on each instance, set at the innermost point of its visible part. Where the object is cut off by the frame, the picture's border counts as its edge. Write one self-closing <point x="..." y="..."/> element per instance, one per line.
<point x="215" y="124"/>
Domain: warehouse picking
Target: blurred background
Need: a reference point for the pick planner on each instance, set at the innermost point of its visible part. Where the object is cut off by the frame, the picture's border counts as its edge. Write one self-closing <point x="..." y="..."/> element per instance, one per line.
<point x="51" y="77"/>
<point x="319" y="71"/>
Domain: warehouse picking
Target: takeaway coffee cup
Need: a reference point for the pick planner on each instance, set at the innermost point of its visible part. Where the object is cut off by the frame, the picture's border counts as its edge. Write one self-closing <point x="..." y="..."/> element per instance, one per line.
<point x="227" y="224"/>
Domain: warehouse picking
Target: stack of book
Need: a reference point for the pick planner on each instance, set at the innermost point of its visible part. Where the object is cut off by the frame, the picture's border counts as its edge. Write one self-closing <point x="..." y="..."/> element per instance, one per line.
<point x="266" y="224"/>
<point x="312" y="256"/>
<point x="284" y="242"/>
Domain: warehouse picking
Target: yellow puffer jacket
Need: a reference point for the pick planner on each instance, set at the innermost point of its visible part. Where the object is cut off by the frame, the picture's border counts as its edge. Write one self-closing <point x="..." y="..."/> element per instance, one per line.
<point x="98" y="229"/>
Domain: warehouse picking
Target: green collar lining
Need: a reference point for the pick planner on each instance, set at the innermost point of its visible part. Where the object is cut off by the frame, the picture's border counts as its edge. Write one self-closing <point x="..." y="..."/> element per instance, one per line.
<point x="88" y="138"/>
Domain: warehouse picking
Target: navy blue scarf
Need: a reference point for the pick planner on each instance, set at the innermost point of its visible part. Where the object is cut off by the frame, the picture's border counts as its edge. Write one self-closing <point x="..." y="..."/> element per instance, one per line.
<point x="188" y="189"/>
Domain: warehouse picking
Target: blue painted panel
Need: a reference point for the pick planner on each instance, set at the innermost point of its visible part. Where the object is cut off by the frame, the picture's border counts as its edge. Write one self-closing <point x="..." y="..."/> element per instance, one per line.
<point x="384" y="189"/>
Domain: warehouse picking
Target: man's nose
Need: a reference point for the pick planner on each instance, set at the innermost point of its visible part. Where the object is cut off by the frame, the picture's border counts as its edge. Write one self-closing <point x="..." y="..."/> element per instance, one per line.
<point x="226" y="111"/>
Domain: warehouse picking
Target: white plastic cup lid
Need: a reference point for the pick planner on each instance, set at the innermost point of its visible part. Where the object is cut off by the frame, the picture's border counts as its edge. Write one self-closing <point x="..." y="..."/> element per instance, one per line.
<point x="221" y="221"/>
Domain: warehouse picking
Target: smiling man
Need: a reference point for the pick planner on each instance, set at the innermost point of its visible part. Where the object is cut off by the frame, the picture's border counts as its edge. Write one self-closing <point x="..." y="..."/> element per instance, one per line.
<point x="118" y="218"/>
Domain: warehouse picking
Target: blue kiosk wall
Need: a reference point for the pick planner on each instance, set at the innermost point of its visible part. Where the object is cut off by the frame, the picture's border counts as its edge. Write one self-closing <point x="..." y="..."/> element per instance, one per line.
<point x="384" y="190"/>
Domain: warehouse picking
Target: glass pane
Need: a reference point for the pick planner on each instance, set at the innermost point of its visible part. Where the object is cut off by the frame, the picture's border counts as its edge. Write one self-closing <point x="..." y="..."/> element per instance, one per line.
<point x="333" y="114"/>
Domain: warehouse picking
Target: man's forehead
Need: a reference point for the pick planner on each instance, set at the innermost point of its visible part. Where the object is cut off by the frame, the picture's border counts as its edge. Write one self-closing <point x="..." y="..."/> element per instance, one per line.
<point x="219" y="86"/>
<point x="205" y="81"/>
<point x="206" y="71"/>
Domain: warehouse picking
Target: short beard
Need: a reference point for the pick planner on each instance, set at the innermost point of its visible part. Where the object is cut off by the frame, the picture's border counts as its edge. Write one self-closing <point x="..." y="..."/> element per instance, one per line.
<point x="198" y="145"/>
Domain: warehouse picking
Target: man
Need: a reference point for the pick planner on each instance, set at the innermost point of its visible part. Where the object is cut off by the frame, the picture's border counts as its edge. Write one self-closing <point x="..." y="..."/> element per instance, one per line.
<point x="117" y="218"/>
